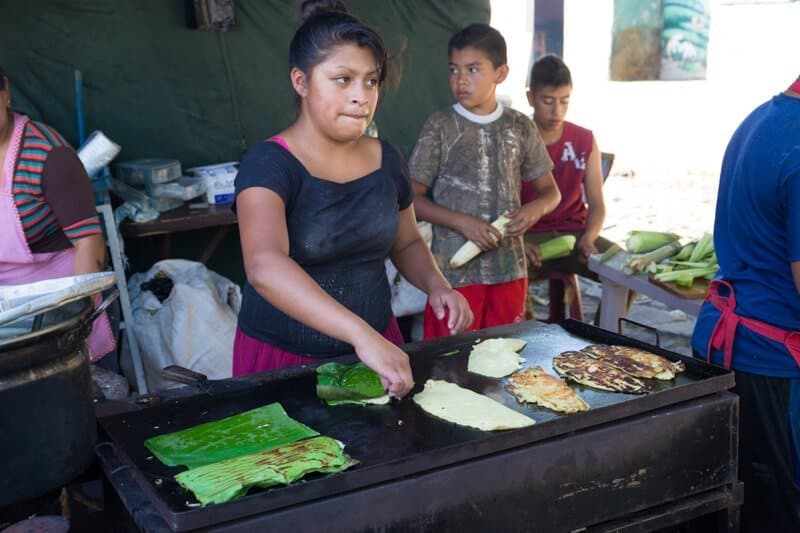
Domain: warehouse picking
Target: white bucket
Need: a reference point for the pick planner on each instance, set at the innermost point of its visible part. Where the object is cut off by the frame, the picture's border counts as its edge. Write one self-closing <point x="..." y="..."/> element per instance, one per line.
<point x="219" y="180"/>
<point x="96" y="152"/>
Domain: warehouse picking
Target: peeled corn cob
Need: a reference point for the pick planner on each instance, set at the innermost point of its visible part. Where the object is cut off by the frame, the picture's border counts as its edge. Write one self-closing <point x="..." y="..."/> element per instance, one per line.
<point x="470" y="250"/>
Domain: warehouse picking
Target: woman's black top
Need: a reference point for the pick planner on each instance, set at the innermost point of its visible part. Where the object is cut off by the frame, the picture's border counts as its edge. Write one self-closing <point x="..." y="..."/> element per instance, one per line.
<point x="340" y="234"/>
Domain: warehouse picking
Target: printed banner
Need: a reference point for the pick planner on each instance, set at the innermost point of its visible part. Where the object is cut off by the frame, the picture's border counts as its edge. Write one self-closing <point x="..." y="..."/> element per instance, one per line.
<point x="684" y="39"/>
<point x="636" y="44"/>
<point x="659" y="40"/>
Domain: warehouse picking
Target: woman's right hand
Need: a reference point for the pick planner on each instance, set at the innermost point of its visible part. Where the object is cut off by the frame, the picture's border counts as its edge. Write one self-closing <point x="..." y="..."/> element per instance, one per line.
<point x="390" y="362"/>
<point x="480" y="232"/>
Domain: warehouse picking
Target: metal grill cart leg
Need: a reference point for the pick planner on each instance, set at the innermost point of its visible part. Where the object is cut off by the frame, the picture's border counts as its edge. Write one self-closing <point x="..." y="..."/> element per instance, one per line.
<point x="107" y="216"/>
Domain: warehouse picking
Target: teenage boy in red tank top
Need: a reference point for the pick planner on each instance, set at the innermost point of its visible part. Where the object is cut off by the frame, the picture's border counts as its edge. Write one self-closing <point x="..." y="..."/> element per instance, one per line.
<point x="578" y="173"/>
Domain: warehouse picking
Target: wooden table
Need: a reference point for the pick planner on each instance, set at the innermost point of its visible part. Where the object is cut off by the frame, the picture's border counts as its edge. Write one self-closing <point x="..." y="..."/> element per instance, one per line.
<point x="184" y="218"/>
<point x="616" y="284"/>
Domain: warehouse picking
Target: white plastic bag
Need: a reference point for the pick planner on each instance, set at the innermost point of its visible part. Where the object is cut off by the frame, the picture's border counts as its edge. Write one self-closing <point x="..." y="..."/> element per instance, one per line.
<point x="406" y="298"/>
<point x="193" y="327"/>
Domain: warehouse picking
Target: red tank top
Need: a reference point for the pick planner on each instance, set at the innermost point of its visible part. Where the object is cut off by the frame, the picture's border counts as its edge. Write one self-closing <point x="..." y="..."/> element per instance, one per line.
<point x="569" y="154"/>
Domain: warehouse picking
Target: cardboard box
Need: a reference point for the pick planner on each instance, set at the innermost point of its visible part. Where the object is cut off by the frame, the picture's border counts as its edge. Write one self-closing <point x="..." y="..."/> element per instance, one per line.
<point x="219" y="181"/>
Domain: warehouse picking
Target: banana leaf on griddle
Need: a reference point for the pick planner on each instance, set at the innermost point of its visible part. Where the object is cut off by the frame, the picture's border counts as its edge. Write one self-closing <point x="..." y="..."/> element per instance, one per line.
<point x="230" y="479"/>
<point x="349" y="384"/>
<point x="255" y="430"/>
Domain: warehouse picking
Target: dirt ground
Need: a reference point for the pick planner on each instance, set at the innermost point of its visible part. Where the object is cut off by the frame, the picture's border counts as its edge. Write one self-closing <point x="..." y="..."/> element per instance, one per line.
<point x="683" y="204"/>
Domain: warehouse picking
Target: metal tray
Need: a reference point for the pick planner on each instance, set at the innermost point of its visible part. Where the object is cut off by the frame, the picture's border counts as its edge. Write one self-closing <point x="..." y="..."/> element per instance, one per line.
<point x="399" y="439"/>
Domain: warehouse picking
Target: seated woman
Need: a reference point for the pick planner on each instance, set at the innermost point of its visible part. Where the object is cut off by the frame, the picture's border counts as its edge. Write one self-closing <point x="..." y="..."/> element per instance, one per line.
<point x="48" y="219"/>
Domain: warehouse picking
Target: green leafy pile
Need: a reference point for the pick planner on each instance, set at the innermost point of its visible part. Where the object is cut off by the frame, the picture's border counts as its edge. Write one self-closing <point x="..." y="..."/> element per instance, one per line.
<point x="258" y="448"/>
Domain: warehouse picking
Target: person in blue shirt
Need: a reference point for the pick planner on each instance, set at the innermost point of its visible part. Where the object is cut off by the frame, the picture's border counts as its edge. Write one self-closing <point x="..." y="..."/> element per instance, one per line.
<point x="750" y="321"/>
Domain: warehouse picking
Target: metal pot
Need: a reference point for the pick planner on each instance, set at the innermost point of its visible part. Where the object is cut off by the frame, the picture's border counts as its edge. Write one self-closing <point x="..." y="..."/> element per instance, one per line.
<point x="47" y="421"/>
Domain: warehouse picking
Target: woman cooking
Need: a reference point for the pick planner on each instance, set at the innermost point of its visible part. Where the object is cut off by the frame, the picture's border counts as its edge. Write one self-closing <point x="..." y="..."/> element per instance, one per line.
<point x="320" y="207"/>
<point x="48" y="219"/>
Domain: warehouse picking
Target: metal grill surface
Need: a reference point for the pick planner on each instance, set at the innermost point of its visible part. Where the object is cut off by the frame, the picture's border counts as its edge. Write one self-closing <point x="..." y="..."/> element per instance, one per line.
<point x="399" y="439"/>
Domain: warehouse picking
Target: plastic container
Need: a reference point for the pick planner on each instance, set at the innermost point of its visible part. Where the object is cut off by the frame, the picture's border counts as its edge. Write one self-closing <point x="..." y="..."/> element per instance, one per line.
<point x="148" y="171"/>
<point x="219" y="180"/>
<point x="185" y="188"/>
<point x="137" y="196"/>
<point x="97" y="152"/>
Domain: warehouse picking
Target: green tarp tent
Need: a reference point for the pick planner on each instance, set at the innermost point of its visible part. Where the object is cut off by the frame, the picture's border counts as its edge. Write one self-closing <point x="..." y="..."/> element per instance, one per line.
<point x="160" y="89"/>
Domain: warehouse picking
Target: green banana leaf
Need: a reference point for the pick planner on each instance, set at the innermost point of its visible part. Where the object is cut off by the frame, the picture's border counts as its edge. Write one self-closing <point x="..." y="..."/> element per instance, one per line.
<point x="349" y="384"/>
<point x="230" y="479"/>
<point x="255" y="430"/>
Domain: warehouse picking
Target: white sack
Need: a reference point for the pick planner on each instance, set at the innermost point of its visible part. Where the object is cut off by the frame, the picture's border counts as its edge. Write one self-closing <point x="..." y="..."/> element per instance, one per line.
<point x="194" y="327"/>
<point x="406" y="298"/>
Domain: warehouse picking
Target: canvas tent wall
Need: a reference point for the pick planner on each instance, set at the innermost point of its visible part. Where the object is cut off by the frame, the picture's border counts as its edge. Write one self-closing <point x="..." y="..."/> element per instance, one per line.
<point x="162" y="90"/>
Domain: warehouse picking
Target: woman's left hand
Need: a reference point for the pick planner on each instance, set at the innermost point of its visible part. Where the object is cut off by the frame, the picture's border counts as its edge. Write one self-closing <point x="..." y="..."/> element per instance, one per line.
<point x="451" y="304"/>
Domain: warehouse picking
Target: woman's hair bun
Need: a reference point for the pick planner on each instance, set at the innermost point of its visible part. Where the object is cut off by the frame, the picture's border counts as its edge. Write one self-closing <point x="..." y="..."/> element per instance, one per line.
<point x="310" y="8"/>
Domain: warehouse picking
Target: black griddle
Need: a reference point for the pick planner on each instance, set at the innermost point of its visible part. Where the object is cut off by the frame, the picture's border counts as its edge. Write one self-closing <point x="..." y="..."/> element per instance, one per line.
<point x="397" y="440"/>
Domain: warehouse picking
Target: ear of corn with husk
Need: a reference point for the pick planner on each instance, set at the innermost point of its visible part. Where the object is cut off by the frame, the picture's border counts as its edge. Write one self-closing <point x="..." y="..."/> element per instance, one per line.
<point x="469" y="250"/>
<point x="557" y="247"/>
<point x="258" y="429"/>
<point x="640" y="242"/>
<point x="230" y="479"/>
<point x="349" y="384"/>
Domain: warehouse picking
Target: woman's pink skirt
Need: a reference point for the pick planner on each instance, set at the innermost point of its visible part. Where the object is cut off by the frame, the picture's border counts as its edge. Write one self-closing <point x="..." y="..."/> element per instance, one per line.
<point x="251" y="355"/>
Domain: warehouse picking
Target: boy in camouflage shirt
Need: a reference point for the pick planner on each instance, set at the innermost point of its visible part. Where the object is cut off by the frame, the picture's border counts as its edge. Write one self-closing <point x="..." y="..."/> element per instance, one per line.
<point x="467" y="169"/>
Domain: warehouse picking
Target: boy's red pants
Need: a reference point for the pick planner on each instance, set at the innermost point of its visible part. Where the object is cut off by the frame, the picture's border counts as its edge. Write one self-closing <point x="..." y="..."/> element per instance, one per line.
<point x="492" y="305"/>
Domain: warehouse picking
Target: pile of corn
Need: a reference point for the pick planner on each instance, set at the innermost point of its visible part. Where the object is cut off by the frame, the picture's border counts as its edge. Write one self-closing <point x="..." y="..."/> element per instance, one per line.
<point x="662" y="255"/>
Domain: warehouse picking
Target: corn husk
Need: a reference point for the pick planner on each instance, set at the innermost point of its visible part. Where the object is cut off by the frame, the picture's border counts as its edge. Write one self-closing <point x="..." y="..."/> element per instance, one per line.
<point x="686" y="277"/>
<point x="695" y="260"/>
<point x="704" y="248"/>
<point x="339" y="384"/>
<point x="612" y="250"/>
<point x="640" y="262"/>
<point x="231" y="479"/>
<point x="686" y="252"/>
<point x="258" y="429"/>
